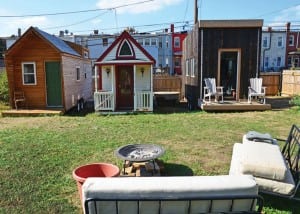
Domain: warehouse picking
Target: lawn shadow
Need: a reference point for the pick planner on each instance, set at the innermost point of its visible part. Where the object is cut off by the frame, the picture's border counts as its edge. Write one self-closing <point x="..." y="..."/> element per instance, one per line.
<point x="281" y="203"/>
<point x="172" y="169"/>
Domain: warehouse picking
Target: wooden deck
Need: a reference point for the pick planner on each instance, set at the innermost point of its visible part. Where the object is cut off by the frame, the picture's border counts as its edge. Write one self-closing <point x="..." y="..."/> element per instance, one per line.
<point x="235" y="106"/>
<point x="30" y="112"/>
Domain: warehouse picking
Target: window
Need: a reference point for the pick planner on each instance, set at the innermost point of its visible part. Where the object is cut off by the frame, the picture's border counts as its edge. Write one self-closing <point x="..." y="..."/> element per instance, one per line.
<point x="125" y="49"/>
<point x="140" y="41"/>
<point x="177" y="62"/>
<point x="177" y="42"/>
<point x="279" y="43"/>
<point x="192" y="67"/>
<point x="78" y="73"/>
<point x="291" y="40"/>
<point x="266" y="62"/>
<point x="105" y="41"/>
<point x="187" y="67"/>
<point x="289" y="61"/>
<point x="153" y="42"/>
<point x="296" y="62"/>
<point x="278" y="61"/>
<point x="265" y="42"/>
<point x="147" y="42"/>
<point x="29" y="73"/>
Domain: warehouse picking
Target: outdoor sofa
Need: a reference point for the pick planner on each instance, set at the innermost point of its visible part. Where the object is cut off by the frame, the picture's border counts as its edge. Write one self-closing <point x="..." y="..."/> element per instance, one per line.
<point x="276" y="171"/>
<point x="172" y="195"/>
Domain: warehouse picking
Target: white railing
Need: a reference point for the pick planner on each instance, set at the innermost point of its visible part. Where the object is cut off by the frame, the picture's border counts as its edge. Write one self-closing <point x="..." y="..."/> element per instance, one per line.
<point x="143" y="101"/>
<point x="104" y="100"/>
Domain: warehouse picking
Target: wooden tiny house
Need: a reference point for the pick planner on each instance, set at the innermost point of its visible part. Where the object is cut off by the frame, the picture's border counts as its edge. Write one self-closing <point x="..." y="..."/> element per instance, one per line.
<point x="125" y="80"/>
<point x="51" y="72"/>
<point x="227" y="50"/>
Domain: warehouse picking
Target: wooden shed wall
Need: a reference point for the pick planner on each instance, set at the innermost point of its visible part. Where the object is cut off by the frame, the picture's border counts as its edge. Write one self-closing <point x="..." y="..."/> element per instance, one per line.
<point x="245" y="39"/>
<point x="31" y="49"/>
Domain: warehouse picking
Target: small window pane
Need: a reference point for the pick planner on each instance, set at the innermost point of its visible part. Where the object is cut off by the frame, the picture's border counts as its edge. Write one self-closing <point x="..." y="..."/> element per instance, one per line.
<point x="28" y="70"/>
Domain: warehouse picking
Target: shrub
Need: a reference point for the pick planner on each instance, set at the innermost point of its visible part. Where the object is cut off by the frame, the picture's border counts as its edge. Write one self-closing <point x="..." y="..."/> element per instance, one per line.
<point x="4" y="94"/>
<point x="295" y="101"/>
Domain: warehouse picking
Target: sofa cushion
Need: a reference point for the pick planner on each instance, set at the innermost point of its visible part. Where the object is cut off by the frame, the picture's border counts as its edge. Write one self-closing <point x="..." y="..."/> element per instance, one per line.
<point x="263" y="160"/>
<point x="185" y="187"/>
<point x="285" y="186"/>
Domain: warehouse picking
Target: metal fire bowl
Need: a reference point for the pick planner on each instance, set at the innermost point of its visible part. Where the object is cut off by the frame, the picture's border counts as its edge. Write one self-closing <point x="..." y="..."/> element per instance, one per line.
<point x="139" y="152"/>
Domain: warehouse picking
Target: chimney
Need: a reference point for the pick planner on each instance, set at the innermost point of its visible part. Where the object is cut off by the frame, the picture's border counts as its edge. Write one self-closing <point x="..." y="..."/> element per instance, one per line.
<point x="19" y="32"/>
<point x="196" y="12"/>
<point x="172" y="28"/>
<point x="269" y="29"/>
<point x="61" y="33"/>
<point x="288" y="27"/>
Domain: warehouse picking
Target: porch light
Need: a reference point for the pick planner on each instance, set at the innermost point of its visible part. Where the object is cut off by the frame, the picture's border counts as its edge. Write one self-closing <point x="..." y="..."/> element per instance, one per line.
<point x="142" y="71"/>
<point x="107" y="71"/>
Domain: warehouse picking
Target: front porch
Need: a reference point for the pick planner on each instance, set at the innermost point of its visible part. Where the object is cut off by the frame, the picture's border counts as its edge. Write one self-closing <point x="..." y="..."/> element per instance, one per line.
<point x="232" y="105"/>
<point x="105" y="101"/>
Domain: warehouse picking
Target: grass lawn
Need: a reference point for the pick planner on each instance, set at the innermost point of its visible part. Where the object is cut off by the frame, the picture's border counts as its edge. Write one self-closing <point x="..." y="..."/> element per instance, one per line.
<point x="38" y="154"/>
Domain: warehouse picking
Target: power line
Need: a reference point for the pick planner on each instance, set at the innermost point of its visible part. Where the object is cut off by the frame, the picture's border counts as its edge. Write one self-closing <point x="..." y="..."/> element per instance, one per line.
<point x="72" y="12"/>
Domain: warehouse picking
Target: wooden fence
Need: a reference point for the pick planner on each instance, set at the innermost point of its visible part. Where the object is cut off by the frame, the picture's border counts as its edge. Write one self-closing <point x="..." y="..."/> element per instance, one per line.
<point x="271" y="80"/>
<point x="291" y="82"/>
<point x="166" y="83"/>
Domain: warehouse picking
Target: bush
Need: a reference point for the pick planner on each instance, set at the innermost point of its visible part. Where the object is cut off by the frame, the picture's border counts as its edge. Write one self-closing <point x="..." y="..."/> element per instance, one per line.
<point x="295" y="101"/>
<point x="4" y="94"/>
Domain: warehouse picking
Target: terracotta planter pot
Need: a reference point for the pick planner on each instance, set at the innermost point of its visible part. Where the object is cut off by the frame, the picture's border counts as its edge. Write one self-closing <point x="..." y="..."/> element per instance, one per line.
<point x="81" y="173"/>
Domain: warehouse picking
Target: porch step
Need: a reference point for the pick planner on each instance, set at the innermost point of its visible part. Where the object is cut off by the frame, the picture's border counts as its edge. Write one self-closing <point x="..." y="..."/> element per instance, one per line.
<point x="278" y="102"/>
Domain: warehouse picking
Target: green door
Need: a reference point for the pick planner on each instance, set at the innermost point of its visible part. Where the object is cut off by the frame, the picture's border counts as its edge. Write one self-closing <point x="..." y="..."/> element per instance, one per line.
<point x="53" y="84"/>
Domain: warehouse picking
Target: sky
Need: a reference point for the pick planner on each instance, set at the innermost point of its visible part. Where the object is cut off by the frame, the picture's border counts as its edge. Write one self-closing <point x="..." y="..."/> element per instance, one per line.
<point x="113" y="16"/>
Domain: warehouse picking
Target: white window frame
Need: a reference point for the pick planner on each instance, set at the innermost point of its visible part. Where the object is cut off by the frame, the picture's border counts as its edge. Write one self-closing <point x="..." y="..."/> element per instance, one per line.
<point x="78" y="73"/>
<point x="34" y="73"/>
<point x="176" y="42"/>
<point x="192" y="67"/>
<point x="187" y="67"/>
<point x="291" y="40"/>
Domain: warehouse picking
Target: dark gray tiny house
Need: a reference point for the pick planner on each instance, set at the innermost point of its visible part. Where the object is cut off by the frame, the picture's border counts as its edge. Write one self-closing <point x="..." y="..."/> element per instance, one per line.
<point x="228" y="50"/>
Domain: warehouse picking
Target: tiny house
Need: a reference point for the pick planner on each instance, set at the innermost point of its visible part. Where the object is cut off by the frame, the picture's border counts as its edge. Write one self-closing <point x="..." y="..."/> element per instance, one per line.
<point x="227" y="50"/>
<point x="124" y="77"/>
<point x="50" y="72"/>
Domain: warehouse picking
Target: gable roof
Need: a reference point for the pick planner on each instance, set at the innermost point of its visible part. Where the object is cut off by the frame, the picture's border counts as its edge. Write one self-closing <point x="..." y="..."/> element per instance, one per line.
<point x="113" y="53"/>
<point x="54" y="41"/>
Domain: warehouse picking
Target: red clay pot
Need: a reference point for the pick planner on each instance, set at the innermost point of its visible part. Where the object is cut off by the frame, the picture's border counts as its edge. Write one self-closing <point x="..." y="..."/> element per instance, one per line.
<point x="80" y="174"/>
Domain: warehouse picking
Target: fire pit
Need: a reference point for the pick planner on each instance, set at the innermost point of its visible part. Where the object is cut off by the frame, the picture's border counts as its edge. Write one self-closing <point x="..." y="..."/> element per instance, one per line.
<point x="139" y="152"/>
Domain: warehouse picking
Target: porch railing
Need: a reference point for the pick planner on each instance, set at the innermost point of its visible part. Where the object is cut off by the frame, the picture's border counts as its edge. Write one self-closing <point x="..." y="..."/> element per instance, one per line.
<point x="104" y="100"/>
<point x="144" y="101"/>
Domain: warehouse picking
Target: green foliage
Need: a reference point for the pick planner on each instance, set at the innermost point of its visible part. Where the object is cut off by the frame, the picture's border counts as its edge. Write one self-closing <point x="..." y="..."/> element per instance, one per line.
<point x="4" y="94"/>
<point x="295" y="100"/>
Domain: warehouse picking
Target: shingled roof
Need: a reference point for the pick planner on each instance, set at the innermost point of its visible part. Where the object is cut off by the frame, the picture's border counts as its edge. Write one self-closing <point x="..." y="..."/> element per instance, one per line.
<point x="57" y="42"/>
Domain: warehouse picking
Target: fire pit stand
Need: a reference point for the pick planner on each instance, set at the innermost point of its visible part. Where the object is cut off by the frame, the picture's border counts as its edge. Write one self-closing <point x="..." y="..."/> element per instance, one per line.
<point x="139" y="153"/>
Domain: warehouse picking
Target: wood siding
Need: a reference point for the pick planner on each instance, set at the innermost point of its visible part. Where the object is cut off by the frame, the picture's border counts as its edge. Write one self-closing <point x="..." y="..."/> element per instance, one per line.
<point x="31" y="49"/>
<point x="245" y="39"/>
<point x="73" y="88"/>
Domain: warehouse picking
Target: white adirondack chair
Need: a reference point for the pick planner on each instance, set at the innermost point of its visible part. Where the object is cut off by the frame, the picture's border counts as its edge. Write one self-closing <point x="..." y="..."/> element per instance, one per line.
<point x="211" y="89"/>
<point x="256" y="89"/>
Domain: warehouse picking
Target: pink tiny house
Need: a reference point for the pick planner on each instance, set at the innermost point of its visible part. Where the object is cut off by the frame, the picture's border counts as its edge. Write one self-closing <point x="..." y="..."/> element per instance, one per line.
<point x="124" y="77"/>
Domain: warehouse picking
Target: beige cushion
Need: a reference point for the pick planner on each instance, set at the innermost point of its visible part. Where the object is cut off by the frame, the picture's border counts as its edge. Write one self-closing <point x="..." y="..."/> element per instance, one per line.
<point x="169" y="188"/>
<point x="263" y="160"/>
<point x="286" y="186"/>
